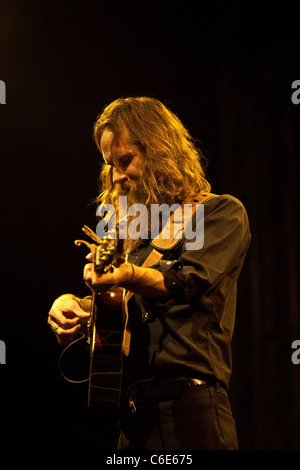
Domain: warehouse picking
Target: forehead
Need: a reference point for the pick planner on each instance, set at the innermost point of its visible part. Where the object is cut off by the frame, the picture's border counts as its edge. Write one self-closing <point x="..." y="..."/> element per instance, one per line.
<point x="109" y="141"/>
<point x="106" y="141"/>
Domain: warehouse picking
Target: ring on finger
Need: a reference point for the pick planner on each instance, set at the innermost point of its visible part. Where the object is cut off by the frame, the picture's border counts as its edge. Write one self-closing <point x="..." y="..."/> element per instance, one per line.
<point x="54" y="328"/>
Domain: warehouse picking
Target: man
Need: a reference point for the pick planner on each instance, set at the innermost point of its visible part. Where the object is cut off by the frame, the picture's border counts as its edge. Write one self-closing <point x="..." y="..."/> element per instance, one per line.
<point x="180" y="320"/>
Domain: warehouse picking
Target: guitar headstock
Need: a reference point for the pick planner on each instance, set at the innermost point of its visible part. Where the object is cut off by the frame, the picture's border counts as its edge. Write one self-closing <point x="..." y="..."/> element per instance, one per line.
<point x="106" y="253"/>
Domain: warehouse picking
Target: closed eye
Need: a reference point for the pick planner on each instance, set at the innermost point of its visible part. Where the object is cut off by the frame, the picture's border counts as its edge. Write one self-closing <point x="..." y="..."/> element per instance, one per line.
<point x="124" y="161"/>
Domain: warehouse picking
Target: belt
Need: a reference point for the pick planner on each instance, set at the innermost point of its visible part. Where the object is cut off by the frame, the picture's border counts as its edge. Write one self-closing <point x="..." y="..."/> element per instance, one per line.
<point x="169" y="389"/>
<point x="161" y="390"/>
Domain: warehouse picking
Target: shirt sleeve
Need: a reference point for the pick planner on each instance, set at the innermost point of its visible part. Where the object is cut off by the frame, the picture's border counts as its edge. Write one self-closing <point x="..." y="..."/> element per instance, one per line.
<point x="226" y="241"/>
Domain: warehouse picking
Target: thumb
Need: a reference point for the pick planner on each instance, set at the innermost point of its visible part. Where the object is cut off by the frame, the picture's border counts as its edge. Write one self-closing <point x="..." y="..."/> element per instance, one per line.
<point x="79" y="311"/>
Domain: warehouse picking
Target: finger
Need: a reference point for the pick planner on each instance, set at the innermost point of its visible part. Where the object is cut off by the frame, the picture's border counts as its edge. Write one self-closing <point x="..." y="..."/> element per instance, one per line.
<point x="88" y="269"/>
<point x="65" y="332"/>
<point x="92" y="276"/>
<point x="78" y="311"/>
<point x="65" y="337"/>
<point x="68" y="308"/>
<point x="89" y="275"/>
<point x="54" y="326"/>
<point x="67" y="324"/>
<point x="65" y="319"/>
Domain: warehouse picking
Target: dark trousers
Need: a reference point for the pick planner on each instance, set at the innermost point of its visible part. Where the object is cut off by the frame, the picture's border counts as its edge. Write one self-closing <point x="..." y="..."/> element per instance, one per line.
<point x="200" y="418"/>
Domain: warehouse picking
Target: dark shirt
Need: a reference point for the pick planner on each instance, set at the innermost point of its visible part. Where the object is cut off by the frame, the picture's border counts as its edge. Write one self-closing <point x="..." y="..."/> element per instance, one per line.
<point x="190" y="333"/>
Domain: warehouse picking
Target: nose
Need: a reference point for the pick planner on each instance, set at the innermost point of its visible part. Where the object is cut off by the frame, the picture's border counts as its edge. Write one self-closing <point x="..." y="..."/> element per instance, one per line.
<point x="118" y="176"/>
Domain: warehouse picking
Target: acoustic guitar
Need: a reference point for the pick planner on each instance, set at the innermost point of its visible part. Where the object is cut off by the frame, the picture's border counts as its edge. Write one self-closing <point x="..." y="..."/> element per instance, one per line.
<point x="105" y="327"/>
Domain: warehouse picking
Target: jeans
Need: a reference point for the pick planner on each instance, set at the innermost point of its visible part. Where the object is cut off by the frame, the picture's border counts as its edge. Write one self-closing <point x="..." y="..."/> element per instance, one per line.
<point x="200" y="418"/>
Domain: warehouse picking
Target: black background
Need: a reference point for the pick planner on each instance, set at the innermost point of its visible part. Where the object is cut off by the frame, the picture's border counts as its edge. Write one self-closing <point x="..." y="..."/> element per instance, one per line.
<point x="226" y="69"/>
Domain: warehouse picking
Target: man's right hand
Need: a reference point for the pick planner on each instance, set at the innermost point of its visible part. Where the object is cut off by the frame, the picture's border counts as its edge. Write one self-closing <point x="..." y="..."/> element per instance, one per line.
<point x="67" y="318"/>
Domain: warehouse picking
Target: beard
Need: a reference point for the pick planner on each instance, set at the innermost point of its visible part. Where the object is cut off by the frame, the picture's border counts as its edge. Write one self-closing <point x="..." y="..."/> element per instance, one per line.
<point x="125" y="212"/>
<point x="136" y="194"/>
<point x="134" y="191"/>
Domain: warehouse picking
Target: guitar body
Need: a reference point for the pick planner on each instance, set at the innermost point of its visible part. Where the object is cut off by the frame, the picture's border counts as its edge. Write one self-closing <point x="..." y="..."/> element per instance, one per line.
<point x="106" y="339"/>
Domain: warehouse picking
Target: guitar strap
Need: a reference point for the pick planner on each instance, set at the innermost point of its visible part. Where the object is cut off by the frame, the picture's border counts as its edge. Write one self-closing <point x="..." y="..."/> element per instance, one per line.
<point x="174" y="229"/>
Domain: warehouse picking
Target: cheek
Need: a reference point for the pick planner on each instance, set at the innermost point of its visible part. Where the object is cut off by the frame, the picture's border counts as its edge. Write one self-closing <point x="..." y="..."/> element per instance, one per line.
<point x="133" y="171"/>
<point x="133" y="175"/>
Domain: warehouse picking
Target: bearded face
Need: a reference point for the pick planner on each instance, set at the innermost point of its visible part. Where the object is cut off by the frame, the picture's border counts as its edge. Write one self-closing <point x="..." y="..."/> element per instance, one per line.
<point x="126" y="179"/>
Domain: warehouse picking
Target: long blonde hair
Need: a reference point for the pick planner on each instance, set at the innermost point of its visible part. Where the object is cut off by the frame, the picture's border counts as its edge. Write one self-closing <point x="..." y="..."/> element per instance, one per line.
<point x="172" y="167"/>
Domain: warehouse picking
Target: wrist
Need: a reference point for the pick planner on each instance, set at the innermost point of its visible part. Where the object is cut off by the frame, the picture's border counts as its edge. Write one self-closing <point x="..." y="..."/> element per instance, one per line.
<point x="129" y="272"/>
